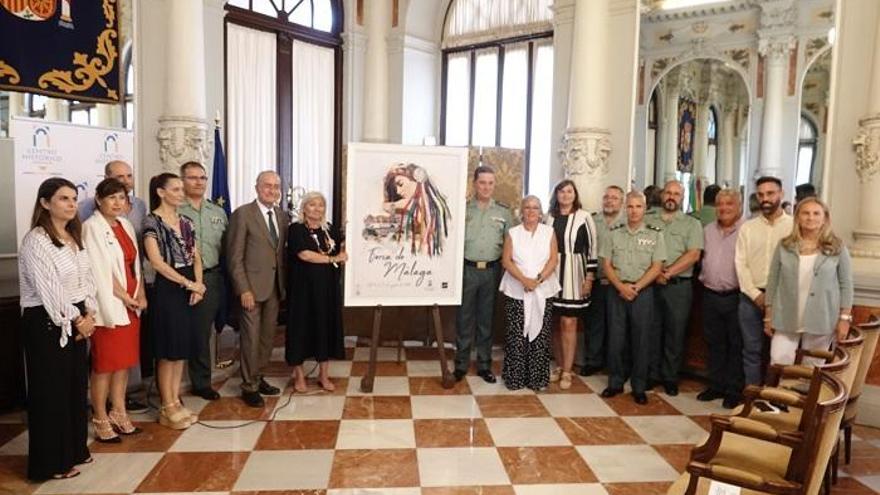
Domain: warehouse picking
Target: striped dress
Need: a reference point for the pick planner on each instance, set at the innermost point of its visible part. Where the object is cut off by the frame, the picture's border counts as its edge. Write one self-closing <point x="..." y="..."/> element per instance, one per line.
<point x="578" y="250"/>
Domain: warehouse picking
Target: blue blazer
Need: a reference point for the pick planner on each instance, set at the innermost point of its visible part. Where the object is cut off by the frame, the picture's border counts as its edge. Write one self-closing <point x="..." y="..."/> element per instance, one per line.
<point x="830" y="290"/>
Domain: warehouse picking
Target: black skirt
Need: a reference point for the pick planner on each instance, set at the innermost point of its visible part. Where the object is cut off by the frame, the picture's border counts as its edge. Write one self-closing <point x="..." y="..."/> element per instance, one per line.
<point x="57" y="379"/>
<point x="172" y="319"/>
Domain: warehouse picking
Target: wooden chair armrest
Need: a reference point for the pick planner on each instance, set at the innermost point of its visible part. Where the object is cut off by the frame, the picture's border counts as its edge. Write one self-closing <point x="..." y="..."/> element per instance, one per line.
<point x="741" y="477"/>
<point x="756" y="429"/>
<point x="816" y="353"/>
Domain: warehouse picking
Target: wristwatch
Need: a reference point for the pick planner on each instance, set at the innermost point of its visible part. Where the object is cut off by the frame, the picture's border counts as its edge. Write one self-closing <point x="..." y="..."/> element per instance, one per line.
<point x="847" y="318"/>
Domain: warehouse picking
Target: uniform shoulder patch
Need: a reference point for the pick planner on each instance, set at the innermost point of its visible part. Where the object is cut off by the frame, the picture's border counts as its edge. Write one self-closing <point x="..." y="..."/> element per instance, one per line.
<point x="503" y="205"/>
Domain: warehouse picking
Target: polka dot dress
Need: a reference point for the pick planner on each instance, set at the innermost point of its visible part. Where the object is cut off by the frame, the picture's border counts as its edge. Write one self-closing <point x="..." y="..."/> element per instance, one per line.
<point x="526" y="364"/>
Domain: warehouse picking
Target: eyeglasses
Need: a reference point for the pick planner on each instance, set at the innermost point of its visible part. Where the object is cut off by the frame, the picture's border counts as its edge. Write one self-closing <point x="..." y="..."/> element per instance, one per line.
<point x="198" y="178"/>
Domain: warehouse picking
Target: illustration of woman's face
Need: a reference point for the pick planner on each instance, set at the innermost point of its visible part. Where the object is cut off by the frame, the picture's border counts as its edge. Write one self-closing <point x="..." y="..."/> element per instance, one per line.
<point x="406" y="187"/>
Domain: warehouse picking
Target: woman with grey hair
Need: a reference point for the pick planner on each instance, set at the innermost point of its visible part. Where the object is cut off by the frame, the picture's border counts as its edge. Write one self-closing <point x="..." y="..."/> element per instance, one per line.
<point x="529" y="258"/>
<point x="314" y="295"/>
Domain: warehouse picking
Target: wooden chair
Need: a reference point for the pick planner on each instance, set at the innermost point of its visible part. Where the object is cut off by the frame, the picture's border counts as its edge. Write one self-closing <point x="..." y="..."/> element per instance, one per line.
<point x="761" y="460"/>
<point x="871" y="332"/>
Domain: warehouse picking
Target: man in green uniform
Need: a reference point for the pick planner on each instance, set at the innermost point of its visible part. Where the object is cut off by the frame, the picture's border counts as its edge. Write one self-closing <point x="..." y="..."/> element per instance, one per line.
<point x="486" y="224"/>
<point x="595" y="320"/>
<point x="210" y="224"/>
<point x="632" y="257"/>
<point x="683" y="236"/>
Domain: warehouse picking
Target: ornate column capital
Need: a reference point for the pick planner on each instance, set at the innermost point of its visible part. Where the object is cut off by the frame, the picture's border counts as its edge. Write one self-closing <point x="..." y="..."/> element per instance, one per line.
<point x="585" y="151"/>
<point x="867" y="147"/>
<point x="183" y="139"/>
<point x="775" y="35"/>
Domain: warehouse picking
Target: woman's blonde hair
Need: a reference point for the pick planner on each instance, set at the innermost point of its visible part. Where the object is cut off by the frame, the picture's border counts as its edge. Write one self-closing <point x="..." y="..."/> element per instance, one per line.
<point x="829" y="243"/>
<point x="308" y="198"/>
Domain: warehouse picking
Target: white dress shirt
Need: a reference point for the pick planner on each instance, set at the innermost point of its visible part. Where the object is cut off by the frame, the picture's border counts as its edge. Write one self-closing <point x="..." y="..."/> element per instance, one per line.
<point x="755" y="244"/>
<point x="264" y="210"/>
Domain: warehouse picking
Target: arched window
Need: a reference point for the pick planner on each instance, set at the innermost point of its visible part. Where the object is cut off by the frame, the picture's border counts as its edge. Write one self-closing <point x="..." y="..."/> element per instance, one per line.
<point x="807" y="139"/>
<point x="497" y="81"/>
<point x="712" y="149"/>
<point x="283" y="95"/>
<point x="651" y="138"/>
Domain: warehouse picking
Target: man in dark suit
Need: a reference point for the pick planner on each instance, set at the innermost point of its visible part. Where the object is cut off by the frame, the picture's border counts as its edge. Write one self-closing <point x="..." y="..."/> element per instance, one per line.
<point x="256" y="238"/>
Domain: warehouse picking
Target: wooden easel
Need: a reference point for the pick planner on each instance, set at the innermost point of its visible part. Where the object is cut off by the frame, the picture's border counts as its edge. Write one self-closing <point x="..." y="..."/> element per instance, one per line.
<point x="446" y="377"/>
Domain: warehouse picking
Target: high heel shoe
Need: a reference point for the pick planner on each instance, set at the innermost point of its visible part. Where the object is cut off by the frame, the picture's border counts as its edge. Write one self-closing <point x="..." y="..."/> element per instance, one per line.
<point x="104" y="431"/>
<point x="173" y="417"/>
<point x="122" y="424"/>
<point x="565" y="380"/>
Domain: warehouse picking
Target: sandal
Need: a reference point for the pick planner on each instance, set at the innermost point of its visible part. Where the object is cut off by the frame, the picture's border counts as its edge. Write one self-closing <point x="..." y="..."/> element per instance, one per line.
<point x="555" y="374"/>
<point x="88" y="460"/>
<point x="565" y="380"/>
<point x="327" y="384"/>
<point x="104" y="431"/>
<point x="173" y="417"/>
<point x="297" y="387"/>
<point x="193" y="417"/>
<point x="73" y="473"/>
<point x="122" y="423"/>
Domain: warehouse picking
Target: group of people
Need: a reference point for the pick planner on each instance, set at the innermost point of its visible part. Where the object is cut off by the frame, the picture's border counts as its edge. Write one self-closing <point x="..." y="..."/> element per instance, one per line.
<point x="625" y="273"/>
<point x="774" y="282"/>
<point x="84" y="294"/>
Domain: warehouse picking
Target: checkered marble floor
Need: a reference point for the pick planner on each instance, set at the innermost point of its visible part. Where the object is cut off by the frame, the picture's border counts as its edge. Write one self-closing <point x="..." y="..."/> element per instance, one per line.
<point x="409" y="437"/>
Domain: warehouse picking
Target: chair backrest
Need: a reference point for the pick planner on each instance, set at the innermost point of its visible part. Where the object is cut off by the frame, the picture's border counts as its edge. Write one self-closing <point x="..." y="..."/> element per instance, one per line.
<point x="819" y="389"/>
<point x="871" y="332"/>
<point x="821" y="436"/>
<point x="854" y="345"/>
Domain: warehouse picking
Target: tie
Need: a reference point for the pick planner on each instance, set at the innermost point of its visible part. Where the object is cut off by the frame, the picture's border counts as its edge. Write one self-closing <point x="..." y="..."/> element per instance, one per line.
<point x="273" y="233"/>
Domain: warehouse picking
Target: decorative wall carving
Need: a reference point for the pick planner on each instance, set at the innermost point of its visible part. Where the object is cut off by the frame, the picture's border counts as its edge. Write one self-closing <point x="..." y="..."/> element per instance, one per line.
<point x="742" y="56"/>
<point x="585" y="151"/>
<point x="183" y="139"/>
<point x="814" y="46"/>
<point x="867" y="148"/>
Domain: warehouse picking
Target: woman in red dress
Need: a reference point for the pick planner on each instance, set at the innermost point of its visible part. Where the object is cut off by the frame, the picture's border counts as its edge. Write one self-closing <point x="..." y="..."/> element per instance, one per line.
<point x="112" y="248"/>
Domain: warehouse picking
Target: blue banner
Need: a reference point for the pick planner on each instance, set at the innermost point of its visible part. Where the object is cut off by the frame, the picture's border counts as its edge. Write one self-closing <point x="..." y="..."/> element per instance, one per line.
<point x="61" y="48"/>
<point x="219" y="182"/>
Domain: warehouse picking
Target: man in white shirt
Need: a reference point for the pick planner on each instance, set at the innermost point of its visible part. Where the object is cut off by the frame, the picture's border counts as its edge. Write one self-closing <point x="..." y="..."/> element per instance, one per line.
<point x="755" y="244"/>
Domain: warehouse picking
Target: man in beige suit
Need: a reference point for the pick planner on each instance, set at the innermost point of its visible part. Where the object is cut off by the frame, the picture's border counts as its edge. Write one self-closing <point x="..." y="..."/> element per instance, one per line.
<point x="256" y="237"/>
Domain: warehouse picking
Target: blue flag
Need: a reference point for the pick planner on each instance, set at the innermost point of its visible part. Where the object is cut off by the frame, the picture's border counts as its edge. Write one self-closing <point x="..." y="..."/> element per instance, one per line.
<point x="220" y="184"/>
<point x="220" y="197"/>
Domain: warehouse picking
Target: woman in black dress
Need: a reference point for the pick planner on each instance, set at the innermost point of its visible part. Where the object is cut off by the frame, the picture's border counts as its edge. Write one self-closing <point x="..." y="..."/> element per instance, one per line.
<point x="58" y="302"/>
<point x="314" y="295"/>
<point x="170" y="244"/>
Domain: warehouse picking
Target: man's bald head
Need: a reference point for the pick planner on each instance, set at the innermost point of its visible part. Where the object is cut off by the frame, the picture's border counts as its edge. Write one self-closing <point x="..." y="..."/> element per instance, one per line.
<point x="121" y="171"/>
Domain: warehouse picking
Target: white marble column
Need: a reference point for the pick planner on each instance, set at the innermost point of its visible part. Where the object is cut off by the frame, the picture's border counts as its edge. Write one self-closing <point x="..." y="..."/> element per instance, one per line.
<point x="867" y="146"/>
<point x="16" y="104"/>
<point x="586" y="144"/>
<point x="378" y="24"/>
<point x="57" y="110"/>
<point x="701" y="142"/>
<point x="107" y="115"/>
<point x="726" y="147"/>
<point x="183" y="129"/>
<point x="775" y="42"/>
<point x="670" y="132"/>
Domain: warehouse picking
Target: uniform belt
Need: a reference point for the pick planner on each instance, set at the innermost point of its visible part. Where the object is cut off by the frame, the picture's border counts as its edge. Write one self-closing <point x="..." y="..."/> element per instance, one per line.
<point x="723" y="293"/>
<point x="678" y="280"/>
<point x="481" y="265"/>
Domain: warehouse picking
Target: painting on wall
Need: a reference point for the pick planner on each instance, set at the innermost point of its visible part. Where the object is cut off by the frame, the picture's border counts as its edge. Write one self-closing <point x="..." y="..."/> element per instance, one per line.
<point x="405" y="224"/>
<point x="687" y="111"/>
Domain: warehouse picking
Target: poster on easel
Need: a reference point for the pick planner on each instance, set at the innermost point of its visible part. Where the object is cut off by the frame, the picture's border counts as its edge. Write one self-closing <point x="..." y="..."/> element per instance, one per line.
<point x="405" y="213"/>
<point x="44" y="149"/>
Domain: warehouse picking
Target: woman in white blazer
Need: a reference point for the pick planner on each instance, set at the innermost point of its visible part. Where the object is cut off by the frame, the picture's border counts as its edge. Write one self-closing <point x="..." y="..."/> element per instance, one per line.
<point x="111" y="244"/>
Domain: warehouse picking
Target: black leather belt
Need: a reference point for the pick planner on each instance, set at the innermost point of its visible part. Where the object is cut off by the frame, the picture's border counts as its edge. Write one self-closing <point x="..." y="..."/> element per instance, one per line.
<point x="678" y="280"/>
<point x="723" y="293"/>
<point x="481" y="265"/>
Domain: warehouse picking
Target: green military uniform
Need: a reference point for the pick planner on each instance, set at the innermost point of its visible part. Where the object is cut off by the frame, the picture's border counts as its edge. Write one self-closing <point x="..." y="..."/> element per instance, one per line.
<point x="596" y="323"/>
<point x="673" y="301"/>
<point x="631" y="252"/>
<point x="210" y="225"/>
<point x="485" y="229"/>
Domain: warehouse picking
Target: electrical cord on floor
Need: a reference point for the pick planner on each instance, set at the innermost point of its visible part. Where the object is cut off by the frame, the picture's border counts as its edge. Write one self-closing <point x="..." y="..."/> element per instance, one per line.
<point x="287" y="402"/>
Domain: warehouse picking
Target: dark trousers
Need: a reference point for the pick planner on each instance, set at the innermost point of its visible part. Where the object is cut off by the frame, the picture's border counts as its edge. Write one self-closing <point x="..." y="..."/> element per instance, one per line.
<point x="200" y="365"/>
<point x="474" y="318"/>
<point x="751" y="320"/>
<point x="257" y="335"/>
<point x="672" y="303"/>
<point x="629" y="327"/>
<point x="723" y="336"/>
<point x="57" y="380"/>
<point x="596" y="326"/>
